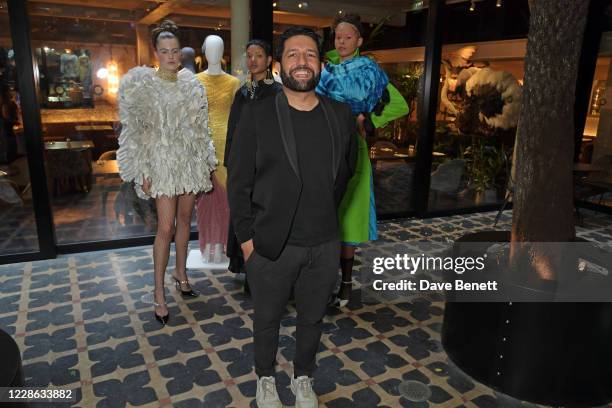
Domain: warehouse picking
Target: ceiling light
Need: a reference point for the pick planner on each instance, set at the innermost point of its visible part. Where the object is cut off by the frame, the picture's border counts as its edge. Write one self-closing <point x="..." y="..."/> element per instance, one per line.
<point x="472" y="6"/>
<point x="274" y="4"/>
<point x="499" y="3"/>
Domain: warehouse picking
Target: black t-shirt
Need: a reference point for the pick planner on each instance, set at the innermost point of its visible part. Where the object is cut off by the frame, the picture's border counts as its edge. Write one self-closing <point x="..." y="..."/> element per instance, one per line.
<point x="315" y="219"/>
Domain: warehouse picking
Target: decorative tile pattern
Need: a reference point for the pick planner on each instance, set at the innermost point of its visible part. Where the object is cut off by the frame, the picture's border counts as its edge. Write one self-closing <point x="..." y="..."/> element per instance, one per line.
<point x="80" y="324"/>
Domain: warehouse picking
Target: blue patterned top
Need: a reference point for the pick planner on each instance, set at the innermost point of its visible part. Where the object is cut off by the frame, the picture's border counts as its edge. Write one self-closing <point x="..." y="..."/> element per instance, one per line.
<point x="358" y="81"/>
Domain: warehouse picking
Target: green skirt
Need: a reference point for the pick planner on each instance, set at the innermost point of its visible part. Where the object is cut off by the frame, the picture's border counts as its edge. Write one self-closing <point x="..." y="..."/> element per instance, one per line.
<point x="357" y="211"/>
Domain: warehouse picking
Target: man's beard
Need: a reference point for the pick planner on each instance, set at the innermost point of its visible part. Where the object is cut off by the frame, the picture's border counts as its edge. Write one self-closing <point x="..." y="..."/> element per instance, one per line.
<point x="296" y="85"/>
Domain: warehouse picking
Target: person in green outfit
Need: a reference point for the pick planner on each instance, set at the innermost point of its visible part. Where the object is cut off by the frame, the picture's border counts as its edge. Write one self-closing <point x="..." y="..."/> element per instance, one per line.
<point x="358" y="81"/>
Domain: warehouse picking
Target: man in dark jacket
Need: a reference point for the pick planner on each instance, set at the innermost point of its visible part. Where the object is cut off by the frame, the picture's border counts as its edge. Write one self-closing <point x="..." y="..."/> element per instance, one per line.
<point x="292" y="157"/>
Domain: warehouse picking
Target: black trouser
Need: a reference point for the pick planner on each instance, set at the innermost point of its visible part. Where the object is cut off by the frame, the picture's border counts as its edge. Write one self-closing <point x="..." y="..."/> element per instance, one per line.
<point x="312" y="272"/>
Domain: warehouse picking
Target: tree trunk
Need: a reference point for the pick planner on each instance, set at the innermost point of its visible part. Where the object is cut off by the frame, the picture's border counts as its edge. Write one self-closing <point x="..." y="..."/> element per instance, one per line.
<point x="543" y="202"/>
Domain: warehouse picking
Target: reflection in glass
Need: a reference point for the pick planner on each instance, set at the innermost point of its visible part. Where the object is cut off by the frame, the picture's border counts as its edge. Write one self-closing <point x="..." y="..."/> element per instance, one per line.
<point x="65" y="77"/>
<point x="593" y="173"/>
<point x="476" y="124"/>
<point x="17" y="224"/>
<point x="82" y="52"/>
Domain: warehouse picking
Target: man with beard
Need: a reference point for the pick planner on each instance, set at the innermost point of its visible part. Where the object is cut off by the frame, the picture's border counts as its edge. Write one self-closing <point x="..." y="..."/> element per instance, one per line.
<point x="293" y="156"/>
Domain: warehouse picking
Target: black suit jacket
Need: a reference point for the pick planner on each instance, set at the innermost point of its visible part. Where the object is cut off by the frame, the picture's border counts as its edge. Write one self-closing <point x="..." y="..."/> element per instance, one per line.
<point x="264" y="183"/>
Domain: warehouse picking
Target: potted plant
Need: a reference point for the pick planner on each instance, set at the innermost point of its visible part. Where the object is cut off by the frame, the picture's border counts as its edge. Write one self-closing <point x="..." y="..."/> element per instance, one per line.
<point x="487" y="169"/>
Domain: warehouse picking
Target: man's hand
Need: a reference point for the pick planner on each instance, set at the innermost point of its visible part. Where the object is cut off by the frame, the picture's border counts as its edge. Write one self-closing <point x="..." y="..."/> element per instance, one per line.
<point x="146" y="186"/>
<point x="247" y="249"/>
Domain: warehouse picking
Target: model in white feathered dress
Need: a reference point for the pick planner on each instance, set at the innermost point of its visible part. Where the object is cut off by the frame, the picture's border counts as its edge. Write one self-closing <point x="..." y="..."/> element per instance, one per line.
<point x="166" y="150"/>
<point x="164" y="137"/>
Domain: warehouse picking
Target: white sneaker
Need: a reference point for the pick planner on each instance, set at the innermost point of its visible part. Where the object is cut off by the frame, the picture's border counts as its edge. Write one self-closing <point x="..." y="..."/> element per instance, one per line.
<point x="304" y="395"/>
<point x="266" y="396"/>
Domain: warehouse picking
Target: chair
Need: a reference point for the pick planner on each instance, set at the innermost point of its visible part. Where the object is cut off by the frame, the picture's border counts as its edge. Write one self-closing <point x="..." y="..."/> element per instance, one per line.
<point x="447" y="177"/>
<point x="127" y="205"/>
<point x="507" y="199"/>
<point x="382" y="148"/>
<point x="69" y="170"/>
<point x="596" y="183"/>
<point x="9" y="192"/>
<point x="508" y="196"/>
<point x="109" y="155"/>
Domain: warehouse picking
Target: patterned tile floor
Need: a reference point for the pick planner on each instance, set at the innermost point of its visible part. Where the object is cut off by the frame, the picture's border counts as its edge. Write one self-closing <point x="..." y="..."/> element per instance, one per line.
<point x="80" y="324"/>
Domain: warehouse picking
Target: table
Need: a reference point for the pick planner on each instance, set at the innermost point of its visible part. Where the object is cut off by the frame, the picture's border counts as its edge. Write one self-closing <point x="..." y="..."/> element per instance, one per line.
<point x="94" y="128"/>
<point x="69" y="145"/>
<point x="584" y="169"/>
<point x="406" y="155"/>
<point x="105" y="167"/>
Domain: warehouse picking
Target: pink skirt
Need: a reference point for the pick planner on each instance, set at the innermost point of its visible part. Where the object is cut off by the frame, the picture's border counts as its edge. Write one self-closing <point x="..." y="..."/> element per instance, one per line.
<point x="213" y="215"/>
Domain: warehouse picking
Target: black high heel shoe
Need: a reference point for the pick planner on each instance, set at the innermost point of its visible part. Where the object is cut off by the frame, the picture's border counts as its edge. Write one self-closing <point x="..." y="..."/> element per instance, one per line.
<point x="161" y="319"/>
<point x="184" y="293"/>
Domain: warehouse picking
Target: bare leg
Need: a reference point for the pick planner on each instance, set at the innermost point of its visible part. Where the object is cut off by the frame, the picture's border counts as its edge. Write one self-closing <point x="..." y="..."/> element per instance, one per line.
<point x="166" y="210"/>
<point x="347" y="251"/>
<point x="184" y="212"/>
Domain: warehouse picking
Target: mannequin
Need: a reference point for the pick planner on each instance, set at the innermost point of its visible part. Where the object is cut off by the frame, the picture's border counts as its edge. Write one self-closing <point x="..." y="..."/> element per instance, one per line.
<point x="188" y="59"/>
<point x="212" y="207"/>
<point x="85" y="74"/>
<point x="84" y="67"/>
<point x="213" y="51"/>
<point x="69" y="65"/>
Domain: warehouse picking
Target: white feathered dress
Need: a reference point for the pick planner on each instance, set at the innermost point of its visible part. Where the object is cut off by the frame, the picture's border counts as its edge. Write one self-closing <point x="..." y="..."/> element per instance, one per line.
<point x="165" y="136"/>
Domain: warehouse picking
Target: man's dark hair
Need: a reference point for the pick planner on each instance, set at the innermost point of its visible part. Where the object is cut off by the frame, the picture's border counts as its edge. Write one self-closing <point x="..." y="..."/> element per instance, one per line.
<point x="292" y="32"/>
<point x="350" y="18"/>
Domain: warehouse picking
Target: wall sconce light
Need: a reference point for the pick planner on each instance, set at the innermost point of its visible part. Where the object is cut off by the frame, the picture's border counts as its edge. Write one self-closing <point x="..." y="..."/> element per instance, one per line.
<point x="112" y="77"/>
<point x="472" y="5"/>
<point x="498" y="3"/>
<point x="102" y="73"/>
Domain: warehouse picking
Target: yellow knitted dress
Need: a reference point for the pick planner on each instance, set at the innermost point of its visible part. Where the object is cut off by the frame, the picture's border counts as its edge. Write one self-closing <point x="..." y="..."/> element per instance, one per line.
<point x="212" y="209"/>
<point x="220" y="90"/>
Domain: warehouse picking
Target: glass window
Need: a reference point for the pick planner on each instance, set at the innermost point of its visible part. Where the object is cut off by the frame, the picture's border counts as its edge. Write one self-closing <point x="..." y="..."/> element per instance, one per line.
<point x="594" y="176"/>
<point x="82" y="53"/>
<point x="480" y="91"/>
<point x="17" y="223"/>
<point x="392" y="38"/>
